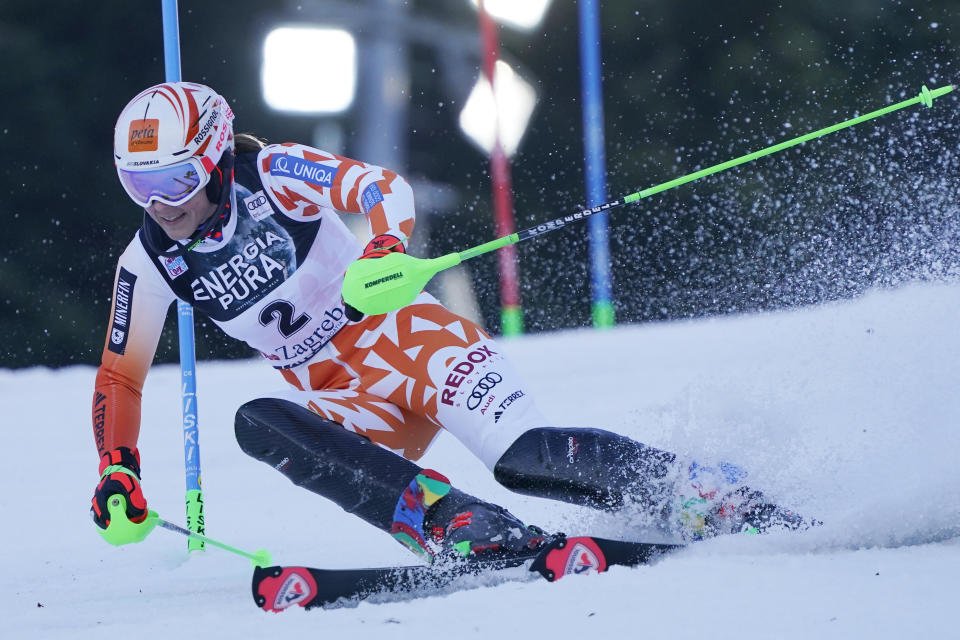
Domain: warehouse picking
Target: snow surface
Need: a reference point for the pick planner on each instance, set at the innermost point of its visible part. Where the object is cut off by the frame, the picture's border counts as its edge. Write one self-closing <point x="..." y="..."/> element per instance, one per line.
<point x="847" y="412"/>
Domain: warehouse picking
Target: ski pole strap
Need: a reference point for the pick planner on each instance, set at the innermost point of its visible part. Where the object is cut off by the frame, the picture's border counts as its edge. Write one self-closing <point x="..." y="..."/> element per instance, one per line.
<point x="118" y="468"/>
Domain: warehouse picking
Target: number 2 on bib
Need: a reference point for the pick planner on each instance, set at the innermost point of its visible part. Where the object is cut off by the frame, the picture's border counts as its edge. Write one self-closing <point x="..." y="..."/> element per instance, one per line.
<point x="288" y="323"/>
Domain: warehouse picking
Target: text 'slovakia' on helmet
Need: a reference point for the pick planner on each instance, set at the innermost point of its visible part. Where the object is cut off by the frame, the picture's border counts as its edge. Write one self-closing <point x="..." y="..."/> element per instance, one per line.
<point x="168" y="141"/>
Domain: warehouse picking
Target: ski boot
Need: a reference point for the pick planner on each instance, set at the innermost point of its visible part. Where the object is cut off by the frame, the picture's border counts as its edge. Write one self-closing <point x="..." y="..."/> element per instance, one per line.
<point x="714" y="502"/>
<point x="476" y="530"/>
<point x="440" y="523"/>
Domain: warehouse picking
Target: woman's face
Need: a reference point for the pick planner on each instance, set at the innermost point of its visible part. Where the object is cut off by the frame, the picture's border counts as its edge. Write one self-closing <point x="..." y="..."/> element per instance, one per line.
<point x="180" y="221"/>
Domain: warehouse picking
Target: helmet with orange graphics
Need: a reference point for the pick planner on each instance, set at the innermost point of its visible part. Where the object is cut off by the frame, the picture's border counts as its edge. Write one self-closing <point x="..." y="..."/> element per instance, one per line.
<point x="169" y="142"/>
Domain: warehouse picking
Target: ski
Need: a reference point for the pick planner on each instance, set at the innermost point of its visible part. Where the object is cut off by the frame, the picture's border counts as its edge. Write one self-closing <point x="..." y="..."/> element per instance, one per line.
<point x="281" y="587"/>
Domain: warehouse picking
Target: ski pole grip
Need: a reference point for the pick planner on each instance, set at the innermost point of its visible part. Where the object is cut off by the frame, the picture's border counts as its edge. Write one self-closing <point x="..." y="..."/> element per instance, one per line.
<point x="121" y="530"/>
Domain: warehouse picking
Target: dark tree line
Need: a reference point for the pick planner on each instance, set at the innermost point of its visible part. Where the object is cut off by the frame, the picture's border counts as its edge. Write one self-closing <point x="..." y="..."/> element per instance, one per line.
<point x="686" y="85"/>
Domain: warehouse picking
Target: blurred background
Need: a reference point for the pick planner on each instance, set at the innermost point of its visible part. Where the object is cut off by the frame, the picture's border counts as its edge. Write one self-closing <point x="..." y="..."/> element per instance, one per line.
<point x="685" y="85"/>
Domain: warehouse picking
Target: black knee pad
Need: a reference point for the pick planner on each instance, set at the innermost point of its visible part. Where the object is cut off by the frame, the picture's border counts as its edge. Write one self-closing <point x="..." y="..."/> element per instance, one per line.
<point x="589" y="467"/>
<point x="323" y="457"/>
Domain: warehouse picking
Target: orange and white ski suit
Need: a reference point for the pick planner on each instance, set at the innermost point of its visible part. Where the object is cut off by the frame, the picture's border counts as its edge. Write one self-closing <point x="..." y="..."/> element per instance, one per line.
<point x="272" y="278"/>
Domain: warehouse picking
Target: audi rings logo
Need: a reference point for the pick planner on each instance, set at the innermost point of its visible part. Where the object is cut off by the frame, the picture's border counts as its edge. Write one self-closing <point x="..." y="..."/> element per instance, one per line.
<point x="256" y="201"/>
<point x="258" y="206"/>
<point x="481" y="389"/>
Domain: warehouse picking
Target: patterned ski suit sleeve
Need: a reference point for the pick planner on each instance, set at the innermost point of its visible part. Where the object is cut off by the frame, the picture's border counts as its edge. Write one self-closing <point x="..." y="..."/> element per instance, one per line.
<point x="139" y="308"/>
<point x="302" y="180"/>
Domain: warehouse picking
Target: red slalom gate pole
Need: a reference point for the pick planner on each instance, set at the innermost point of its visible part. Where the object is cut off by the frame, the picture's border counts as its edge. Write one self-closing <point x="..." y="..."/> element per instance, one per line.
<point x="511" y="313"/>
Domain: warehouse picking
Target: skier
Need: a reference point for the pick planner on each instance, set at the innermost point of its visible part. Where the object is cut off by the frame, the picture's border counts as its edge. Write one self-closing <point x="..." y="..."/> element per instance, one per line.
<point x="248" y="233"/>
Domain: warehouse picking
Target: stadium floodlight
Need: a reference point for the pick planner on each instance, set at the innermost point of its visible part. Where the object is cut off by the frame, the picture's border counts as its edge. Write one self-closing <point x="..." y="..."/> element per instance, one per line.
<point x="510" y="110"/>
<point x="309" y="69"/>
<point x="520" y="14"/>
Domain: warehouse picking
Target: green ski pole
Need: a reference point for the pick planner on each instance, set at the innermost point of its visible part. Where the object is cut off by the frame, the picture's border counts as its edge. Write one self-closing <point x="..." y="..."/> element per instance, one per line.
<point x="122" y="531"/>
<point x="394" y="281"/>
<point x="259" y="558"/>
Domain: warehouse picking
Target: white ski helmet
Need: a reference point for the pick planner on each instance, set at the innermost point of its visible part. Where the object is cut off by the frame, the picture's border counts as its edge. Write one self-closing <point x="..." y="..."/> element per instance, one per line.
<point x="168" y="141"/>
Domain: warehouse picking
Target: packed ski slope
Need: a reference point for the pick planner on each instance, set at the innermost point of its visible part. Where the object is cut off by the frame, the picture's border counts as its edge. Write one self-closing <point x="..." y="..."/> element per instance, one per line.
<point x="847" y="412"/>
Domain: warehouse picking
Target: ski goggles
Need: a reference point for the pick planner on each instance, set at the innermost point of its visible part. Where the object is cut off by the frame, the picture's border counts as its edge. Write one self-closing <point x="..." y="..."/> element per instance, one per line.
<point x="171" y="185"/>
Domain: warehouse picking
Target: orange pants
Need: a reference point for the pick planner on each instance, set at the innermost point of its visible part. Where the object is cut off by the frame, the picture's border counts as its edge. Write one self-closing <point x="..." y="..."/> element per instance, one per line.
<point x="399" y="378"/>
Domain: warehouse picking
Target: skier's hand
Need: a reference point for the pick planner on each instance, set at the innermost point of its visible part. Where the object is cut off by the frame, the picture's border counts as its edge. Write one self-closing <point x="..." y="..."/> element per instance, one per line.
<point x="382" y="245"/>
<point x="119" y="475"/>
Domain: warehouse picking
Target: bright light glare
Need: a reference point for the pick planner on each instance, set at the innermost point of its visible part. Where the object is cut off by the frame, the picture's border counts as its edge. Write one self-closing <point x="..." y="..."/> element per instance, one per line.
<point x="309" y="69"/>
<point x="521" y="14"/>
<point x="512" y="109"/>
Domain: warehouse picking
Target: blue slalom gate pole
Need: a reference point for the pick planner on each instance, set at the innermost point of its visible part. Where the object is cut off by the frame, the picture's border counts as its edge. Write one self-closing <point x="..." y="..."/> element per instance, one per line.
<point x="596" y="163"/>
<point x="188" y="357"/>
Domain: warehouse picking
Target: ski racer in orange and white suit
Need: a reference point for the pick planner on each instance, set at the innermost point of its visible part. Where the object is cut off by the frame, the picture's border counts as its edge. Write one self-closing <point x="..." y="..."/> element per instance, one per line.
<point x="251" y="236"/>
